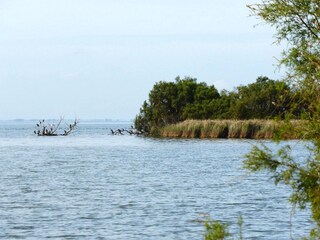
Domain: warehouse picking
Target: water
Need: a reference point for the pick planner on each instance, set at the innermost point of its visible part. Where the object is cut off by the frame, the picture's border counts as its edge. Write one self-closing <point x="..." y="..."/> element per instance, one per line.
<point x="93" y="185"/>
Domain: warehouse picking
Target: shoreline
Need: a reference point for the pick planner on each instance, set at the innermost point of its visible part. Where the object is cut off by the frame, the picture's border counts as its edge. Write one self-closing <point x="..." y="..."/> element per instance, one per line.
<point x="233" y="129"/>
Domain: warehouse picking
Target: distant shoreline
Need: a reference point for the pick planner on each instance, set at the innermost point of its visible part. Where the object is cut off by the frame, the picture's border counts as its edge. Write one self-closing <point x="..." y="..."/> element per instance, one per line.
<point x="107" y="120"/>
<point x="233" y="129"/>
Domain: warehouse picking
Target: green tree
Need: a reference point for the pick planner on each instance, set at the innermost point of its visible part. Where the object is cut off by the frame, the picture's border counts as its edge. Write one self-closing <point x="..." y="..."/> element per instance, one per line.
<point x="263" y="99"/>
<point x="171" y="102"/>
<point x="162" y="100"/>
<point x="143" y="120"/>
<point x="187" y="88"/>
<point x="298" y="25"/>
<point x="219" y="108"/>
<point x="199" y="108"/>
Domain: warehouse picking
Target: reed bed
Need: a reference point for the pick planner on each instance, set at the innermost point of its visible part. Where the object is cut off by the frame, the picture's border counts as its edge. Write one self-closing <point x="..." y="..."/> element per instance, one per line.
<point x="249" y="129"/>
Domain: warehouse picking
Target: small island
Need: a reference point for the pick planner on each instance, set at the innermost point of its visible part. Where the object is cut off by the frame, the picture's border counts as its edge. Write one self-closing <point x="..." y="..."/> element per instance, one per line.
<point x="188" y="109"/>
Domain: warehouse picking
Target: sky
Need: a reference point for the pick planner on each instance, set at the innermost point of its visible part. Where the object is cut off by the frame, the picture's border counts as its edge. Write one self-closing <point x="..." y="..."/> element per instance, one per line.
<point x="98" y="59"/>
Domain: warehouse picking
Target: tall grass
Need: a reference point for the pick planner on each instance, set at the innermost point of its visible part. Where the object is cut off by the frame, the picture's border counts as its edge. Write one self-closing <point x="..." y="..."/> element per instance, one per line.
<point x="254" y="129"/>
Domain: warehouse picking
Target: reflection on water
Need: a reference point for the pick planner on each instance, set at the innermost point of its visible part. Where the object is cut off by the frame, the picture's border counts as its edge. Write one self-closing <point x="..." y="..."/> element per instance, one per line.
<point x="93" y="184"/>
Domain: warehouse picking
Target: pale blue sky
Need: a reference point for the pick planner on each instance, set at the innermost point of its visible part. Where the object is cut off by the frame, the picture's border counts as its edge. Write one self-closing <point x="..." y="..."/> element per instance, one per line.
<point x="100" y="58"/>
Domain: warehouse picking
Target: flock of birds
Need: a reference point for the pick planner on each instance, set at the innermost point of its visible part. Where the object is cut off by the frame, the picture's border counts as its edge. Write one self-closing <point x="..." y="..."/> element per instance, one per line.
<point x="47" y="129"/>
<point x="122" y="131"/>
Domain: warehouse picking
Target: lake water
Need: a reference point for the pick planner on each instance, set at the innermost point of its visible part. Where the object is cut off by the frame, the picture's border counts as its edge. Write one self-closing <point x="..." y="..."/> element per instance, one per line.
<point x="93" y="185"/>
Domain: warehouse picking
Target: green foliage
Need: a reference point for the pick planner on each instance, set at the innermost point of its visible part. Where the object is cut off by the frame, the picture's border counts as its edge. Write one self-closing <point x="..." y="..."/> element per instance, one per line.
<point x="265" y="98"/>
<point x="172" y="102"/>
<point x="143" y="120"/>
<point x="298" y="24"/>
<point x="215" y="230"/>
<point x="303" y="178"/>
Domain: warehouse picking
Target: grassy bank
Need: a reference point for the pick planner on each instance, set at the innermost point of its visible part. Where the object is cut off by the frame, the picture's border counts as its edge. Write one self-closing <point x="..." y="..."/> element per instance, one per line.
<point x="251" y="129"/>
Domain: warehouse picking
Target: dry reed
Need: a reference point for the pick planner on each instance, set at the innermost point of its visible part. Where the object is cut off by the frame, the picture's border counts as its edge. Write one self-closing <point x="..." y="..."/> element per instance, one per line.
<point x="251" y="129"/>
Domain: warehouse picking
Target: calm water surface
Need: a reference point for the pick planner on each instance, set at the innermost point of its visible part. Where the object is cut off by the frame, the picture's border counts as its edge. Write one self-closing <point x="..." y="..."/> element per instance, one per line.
<point x="92" y="185"/>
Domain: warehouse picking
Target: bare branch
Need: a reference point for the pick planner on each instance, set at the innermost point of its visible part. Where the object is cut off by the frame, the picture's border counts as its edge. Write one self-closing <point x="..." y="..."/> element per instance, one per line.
<point x="47" y="129"/>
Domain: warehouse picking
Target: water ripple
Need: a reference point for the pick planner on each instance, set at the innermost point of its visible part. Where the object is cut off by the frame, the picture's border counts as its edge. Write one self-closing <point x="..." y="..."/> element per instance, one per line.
<point x="93" y="185"/>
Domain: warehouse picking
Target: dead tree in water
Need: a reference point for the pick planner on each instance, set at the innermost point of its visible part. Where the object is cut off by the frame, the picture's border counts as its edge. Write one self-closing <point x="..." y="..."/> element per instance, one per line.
<point x="46" y="129"/>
